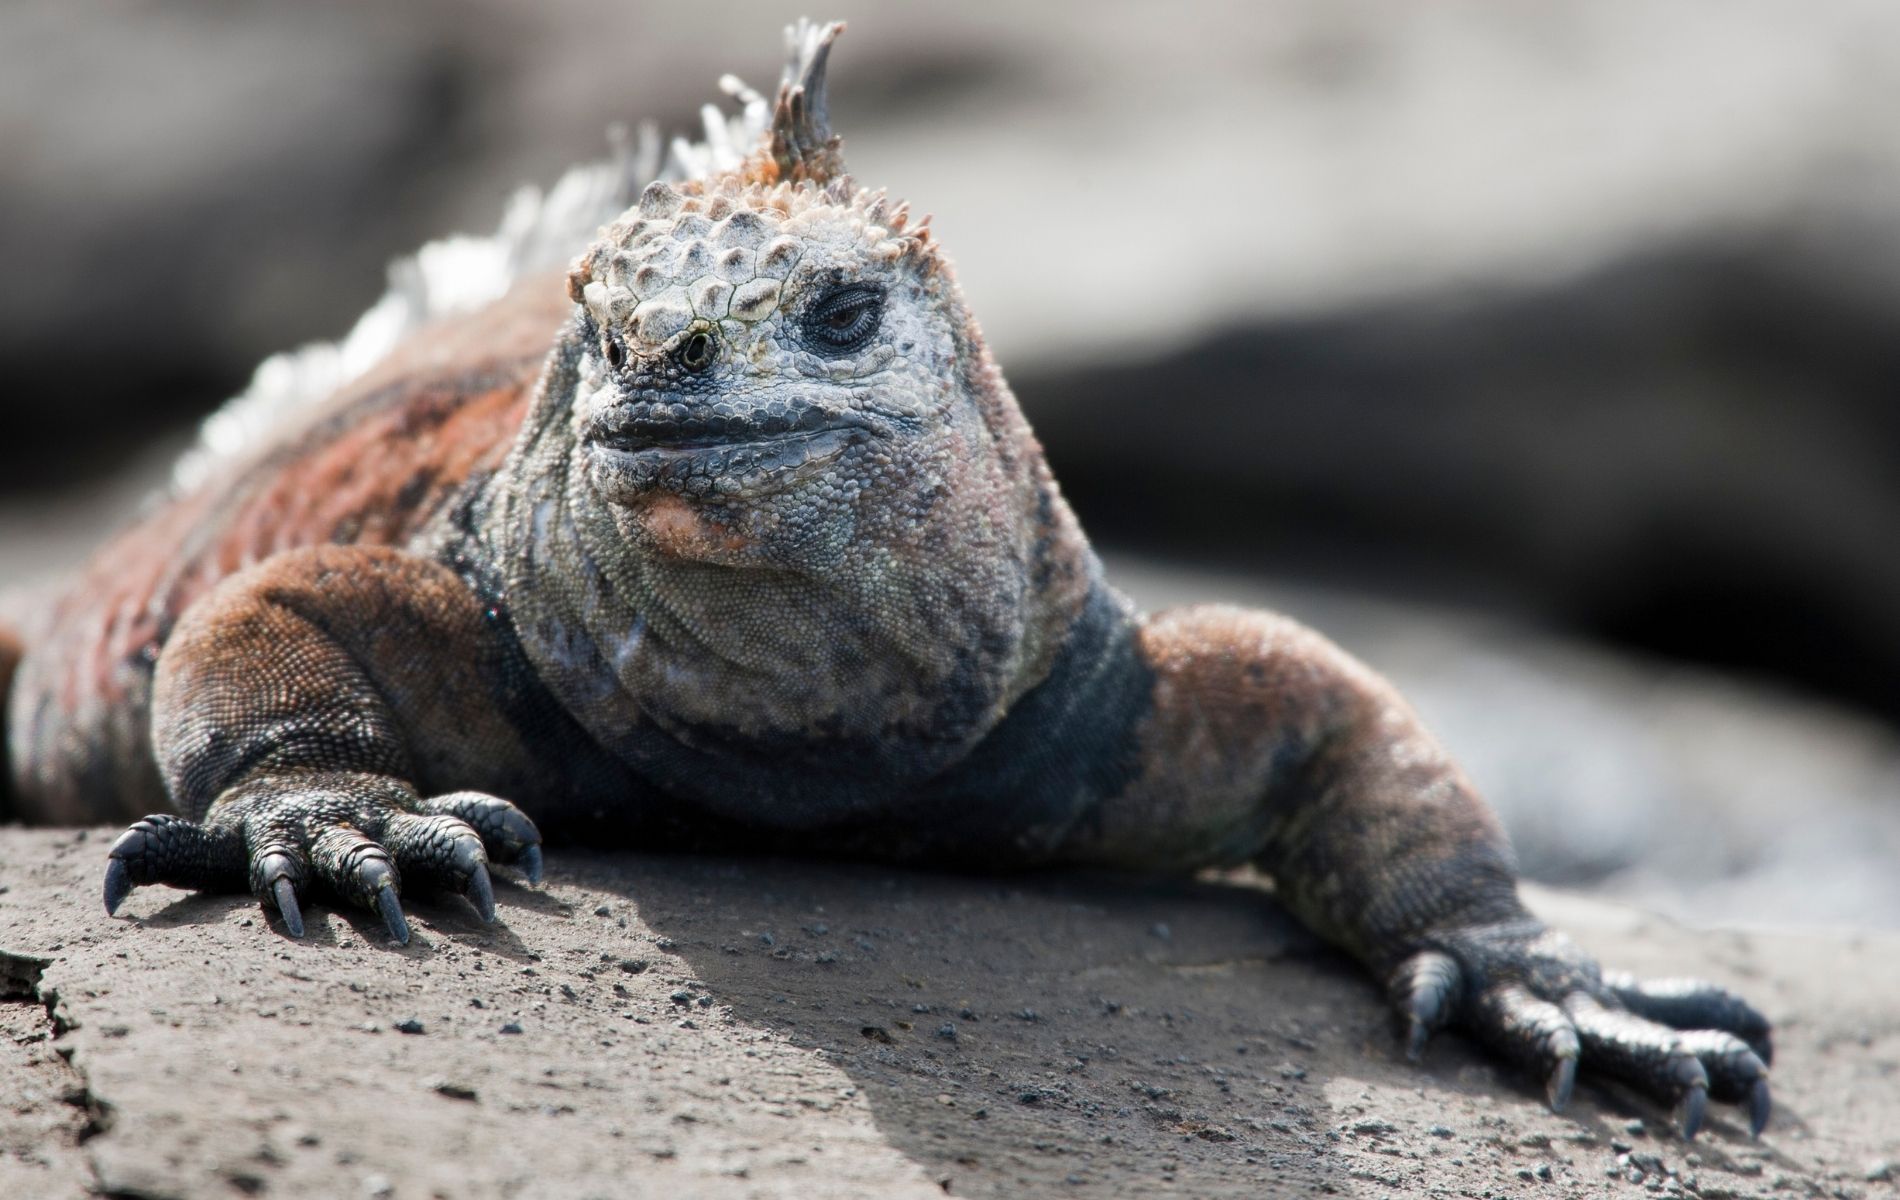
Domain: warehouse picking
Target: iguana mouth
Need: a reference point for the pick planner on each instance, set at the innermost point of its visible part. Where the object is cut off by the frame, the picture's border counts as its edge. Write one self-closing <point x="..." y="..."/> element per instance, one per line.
<point x="711" y="447"/>
<point x="699" y="425"/>
<point x="665" y="427"/>
<point x="702" y="460"/>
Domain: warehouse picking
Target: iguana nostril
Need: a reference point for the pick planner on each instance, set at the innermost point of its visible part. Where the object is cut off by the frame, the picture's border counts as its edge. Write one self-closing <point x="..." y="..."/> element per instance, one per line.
<point x="696" y="352"/>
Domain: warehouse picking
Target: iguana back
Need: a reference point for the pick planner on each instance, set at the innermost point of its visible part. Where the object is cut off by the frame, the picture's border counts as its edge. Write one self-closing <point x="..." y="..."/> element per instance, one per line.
<point x="372" y="464"/>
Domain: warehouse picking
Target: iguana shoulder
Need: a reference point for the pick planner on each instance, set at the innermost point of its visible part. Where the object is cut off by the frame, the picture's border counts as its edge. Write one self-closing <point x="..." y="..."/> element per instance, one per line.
<point x="372" y="464"/>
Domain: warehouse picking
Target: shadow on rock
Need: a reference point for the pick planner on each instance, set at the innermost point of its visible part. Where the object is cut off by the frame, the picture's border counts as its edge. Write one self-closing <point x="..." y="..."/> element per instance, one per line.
<point x="1022" y="1035"/>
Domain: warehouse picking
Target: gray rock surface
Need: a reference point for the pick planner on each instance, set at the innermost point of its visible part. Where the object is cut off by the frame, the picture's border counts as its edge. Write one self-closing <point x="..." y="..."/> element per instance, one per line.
<point x="702" y="1027"/>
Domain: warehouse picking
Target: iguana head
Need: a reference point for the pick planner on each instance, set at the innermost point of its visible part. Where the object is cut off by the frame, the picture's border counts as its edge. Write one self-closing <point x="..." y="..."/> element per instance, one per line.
<point x="772" y="353"/>
<point x="774" y="484"/>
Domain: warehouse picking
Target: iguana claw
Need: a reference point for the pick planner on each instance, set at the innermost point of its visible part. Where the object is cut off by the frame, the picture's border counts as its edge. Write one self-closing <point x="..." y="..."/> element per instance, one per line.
<point x="391" y="909"/>
<point x="118" y="884"/>
<point x="530" y="863"/>
<point x="1689" y="1113"/>
<point x="1562" y="1081"/>
<point x="285" y="894"/>
<point x="1760" y="1105"/>
<point x="481" y="893"/>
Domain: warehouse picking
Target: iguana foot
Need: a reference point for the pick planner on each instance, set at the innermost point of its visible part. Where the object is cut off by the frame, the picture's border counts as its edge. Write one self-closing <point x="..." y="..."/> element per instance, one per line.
<point x="358" y="836"/>
<point x="1533" y="996"/>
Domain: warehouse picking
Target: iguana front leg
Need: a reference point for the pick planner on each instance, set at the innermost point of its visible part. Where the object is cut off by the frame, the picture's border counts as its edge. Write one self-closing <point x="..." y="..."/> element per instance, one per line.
<point x="297" y="711"/>
<point x="1265" y="742"/>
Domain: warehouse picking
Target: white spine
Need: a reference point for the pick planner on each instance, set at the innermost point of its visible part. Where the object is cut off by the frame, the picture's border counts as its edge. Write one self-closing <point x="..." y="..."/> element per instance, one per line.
<point x="538" y="232"/>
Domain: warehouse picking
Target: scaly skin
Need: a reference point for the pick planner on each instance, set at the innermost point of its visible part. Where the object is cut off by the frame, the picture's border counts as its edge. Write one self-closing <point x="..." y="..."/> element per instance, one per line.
<point x="757" y="550"/>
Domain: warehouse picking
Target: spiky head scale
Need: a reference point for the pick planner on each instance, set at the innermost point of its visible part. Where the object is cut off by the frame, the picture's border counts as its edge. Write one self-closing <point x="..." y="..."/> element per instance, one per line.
<point x="721" y="248"/>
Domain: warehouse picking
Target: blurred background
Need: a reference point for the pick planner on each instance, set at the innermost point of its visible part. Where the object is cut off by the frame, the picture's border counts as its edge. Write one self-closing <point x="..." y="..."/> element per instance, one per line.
<point x="1547" y="354"/>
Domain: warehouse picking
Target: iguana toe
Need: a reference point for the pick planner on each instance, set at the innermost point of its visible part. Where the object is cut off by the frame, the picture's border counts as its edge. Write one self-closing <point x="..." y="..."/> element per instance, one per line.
<point x="1649" y="1056"/>
<point x="1531" y="1031"/>
<point x="166" y="849"/>
<point x="506" y="832"/>
<point x="1693" y="1004"/>
<point x="1731" y="1037"/>
<point x="1425" y="988"/>
<point x="442" y="852"/>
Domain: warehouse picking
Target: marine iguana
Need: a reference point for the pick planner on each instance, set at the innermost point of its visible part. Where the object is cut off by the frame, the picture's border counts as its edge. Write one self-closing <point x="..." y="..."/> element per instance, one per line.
<point x="740" y="540"/>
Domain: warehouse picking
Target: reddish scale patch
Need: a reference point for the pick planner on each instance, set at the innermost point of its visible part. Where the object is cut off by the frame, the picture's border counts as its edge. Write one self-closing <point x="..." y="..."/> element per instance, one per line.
<point x="384" y="475"/>
<point x="388" y="453"/>
<point x="680" y="530"/>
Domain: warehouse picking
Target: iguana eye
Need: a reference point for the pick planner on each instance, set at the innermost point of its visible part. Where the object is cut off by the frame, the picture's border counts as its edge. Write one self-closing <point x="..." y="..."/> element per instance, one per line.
<point x="846" y="318"/>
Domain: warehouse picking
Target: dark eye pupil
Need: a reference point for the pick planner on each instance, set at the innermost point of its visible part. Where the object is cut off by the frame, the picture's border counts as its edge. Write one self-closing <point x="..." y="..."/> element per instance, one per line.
<point x="845" y="318"/>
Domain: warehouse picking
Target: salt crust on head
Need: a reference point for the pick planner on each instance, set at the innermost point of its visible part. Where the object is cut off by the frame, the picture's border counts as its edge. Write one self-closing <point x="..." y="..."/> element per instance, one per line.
<point x="722" y="250"/>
